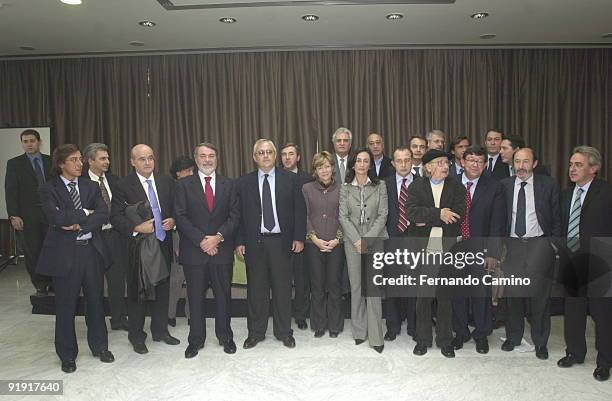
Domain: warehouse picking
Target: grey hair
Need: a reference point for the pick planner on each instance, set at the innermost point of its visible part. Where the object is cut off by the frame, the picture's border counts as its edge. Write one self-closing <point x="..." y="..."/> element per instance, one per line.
<point x="341" y="130"/>
<point x="590" y="152"/>
<point x="262" y="141"/>
<point x="433" y="132"/>
<point x="90" y="150"/>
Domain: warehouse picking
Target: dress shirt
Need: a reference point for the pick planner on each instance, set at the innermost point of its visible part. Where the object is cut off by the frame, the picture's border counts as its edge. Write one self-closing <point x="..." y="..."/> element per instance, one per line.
<point x="532" y="225"/>
<point x="271" y="182"/>
<point x="76" y="180"/>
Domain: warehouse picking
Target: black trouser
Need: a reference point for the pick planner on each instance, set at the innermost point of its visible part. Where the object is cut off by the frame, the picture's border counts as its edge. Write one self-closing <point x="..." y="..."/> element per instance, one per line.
<point x="444" y="311"/>
<point x="301" y="283"/>
<point x="115" y="276"/>
<point x="87" y="274"/>
<point x="479" y="298"/>
<point x="532" y="258"/>
<point x="268" y="265"/>
<point x="326" y="298"/>
<point x="32" y="238"/>
<point x="574" y="327"/>
<point x="198" y="278"/>
<point x="395" y="311"/>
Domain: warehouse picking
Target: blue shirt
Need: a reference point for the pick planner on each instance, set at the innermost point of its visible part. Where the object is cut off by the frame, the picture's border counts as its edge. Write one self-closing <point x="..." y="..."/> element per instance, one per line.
<point x="38" y="157"/>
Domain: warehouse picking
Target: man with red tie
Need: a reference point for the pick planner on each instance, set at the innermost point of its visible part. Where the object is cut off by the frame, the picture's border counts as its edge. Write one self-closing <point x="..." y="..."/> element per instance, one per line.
<point x="207" y="214"/>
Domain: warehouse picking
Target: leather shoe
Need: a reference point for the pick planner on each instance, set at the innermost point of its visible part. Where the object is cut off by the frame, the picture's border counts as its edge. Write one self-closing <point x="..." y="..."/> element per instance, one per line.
<point x="121" y="325"/>
<point x="289" y="341"/>
<point x="140" y="348"/>
<point x="250" y="342"/>
<point x="229" y="347"/>
<point x="105" y="356"/>
<point x="448" y="351"/>
<point x="541" y="352"/>
<point x="482" y="345"/>
<point x="507" y="346"/>
<point x="301" y="324"/>
<point x="333" y="334"/>
<point x="359" y="341"/>
<point x="192" y="350"/>
<point x="390" y="336"/>
<point x="319" y="333"/>
<point x="379" y="348"/>
<point x="601" y="374"/>
<point x="458" y="342"/>
<point x="68" y="366"/>
<point x="172" y="322"/>
<point x="168" y="339"/>
<point x="419" y="349"/>
<point x="568" y="361"/>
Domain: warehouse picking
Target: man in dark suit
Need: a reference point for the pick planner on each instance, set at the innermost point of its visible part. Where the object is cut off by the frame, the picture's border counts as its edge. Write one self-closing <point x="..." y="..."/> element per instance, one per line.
<point x="97" y="163"/>
<point x="75" y="255"/>
<point x="24" y="175"/>
<point x="143" y="185"/>
<point x="342" y="140"/>
<point x="207" y="214"/>
<point x="382" y="163"/>
<point x="290" y="159"/>
<point x="436" y="206"/>
<point x="418" y="147"/>
<point x="272" y="227"/>
<point x="533" y="221"/>
<point x="481" y="232"/>
<point x="586" y="222"/>
<point x="397" y="225"/>
<point x="456" y="148"/>
<point x="495" y="168"/>
<point x="511" y="144"/>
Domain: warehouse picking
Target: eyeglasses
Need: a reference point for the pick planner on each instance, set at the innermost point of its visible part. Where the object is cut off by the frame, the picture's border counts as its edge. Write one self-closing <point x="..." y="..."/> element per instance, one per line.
<point x="475" y="161"/>
<point x="262" y="153"/>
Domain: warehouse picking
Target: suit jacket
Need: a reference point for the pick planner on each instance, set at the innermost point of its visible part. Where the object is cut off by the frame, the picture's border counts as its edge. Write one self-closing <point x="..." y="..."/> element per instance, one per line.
<point x="128" y="191"/>
<point x="488" y="217"/>
<point x="337" y="166"/>
<point x="194" y="220"/>
<point x="111" y="178"/>
<point x="57" y="254"/>
<point x="421" y="209"/>
<point x="546" y="194"/>
<point x="303" y="178"/>
<point x="386" y="168"/>
<point x="21" y="187"/>
<point x="376" y="211"/>
<point x="290" y="208"/>
<point x="500" y="170"/>
<point x="452" y="170"/>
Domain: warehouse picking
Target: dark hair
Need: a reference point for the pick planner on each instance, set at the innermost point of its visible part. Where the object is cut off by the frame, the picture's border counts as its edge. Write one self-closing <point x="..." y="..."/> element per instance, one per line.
<point x="401" y="148"/>
<point x="297" y="152"/>
<point x="455" y="142"/>
<point x="417" y="137"/>
<point x="516" y="141"/>
<point x="350" y="173"/>
<point x="475" y="151"/>
<point x="495" y="130"/>
<point x="181" y="163"/>
<point x="29" y="132"/>
<point x="61" y="153"/>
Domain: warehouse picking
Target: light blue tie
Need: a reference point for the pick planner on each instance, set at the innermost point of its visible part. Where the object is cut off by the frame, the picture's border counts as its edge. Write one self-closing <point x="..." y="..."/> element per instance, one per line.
<point x="159" y="230"/>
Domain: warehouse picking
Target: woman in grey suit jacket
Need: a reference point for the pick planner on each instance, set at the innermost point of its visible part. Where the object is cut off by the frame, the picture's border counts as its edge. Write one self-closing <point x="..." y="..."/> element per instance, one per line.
<point x="363" y="214"/>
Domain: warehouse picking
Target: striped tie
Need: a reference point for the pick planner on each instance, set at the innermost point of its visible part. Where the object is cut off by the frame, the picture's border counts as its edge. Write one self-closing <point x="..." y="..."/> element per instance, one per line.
<point x="74" y="195"/>
<point x="573" y="228"/>
<point x="403" y="218"/>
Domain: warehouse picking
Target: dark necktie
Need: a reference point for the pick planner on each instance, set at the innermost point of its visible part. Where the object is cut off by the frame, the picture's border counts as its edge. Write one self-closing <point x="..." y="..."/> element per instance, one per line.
<point x="266" y="200"/>
<point x="40" y="176"/>
<point x="208" y="193"/>
<point x="465" y="224"/>
<point x="402" y="223"/>
<point x="416" y="172"/>
<point x="520" y="225"/>
<point x="105" y="194"/>
<point x="490" y="165"/>
<point x="74" y="195"/>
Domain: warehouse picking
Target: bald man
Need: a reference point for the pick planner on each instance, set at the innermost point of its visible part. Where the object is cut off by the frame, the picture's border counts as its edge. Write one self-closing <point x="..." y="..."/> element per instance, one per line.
<point x="141" y="185"/>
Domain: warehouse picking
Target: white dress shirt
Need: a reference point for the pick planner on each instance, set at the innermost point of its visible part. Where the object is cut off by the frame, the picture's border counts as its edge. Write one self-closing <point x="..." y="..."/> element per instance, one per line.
<point x="532" y="225"/>
<point x="213" y="180"/>
<point x="95" y="178"/>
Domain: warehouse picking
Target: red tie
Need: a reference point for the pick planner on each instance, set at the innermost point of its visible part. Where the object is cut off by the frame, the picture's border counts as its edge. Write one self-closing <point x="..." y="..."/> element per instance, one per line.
<point x="465" y="224"/>
<point x="402" y="224"/>
<point x="208" y="193"/>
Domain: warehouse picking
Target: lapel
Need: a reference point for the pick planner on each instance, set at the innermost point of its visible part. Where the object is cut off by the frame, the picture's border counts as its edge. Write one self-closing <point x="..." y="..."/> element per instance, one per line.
<point x="253" y="188"/>
<point x="27" y="165"/>
<point x="220" y="191"/>
<point x="509" y="199"/>
<point x="137" y="187"/>
<point x="481" y="188"/>
<point x="392" y="198"/>
<point x="591" y="194"/>
<point x="63" y="194"/>
<point x="198" y="190"/>
<point x="278" y="183"/>
<point x="566" y="201"/>
<point x="429" y="193"/>
<point x="538" y="195"/>
<point x="447" y="192"/>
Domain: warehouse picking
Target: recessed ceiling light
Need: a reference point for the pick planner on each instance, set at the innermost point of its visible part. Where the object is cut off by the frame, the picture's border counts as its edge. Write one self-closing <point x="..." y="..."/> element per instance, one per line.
<point x="394" y="16"/>
<point x="310" y="17"/>
<point x="228" y="20"/>
<point x="136" y="43"/>
<point x="607" y="35"/>
<point x="27" y="47"/>
<point x="147" y="23"/>
<point x="72" y="2"/>
<point x="487" y="36"/>
<point x="479" y="15"/>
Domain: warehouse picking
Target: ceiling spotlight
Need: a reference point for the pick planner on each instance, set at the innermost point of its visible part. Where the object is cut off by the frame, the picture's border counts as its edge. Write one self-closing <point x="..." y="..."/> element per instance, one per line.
<point x="147" y="23"/>
<point x="607" y="35"/>
<point x="394" y="16"/>
<point x="136" y="43"/>
<point x="480" y="15"/>
<point x="310" y="17"/>
<point x="488" y="36"/>
<point x="72" y="2"/>
<point x="228" y="20"/>
<point x="27" y="47"/>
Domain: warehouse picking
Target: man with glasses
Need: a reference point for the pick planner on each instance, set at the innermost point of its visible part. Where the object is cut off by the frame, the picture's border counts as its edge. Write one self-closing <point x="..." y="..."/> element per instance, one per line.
<point x="272" y="228"/>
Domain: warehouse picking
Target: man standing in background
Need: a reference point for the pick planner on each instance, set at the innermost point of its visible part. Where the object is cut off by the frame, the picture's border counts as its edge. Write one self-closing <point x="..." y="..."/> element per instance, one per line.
<point x="382" y="163"/>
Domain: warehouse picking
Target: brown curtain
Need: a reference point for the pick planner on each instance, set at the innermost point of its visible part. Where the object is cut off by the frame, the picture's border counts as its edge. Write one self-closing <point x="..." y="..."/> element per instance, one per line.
<point x="555" y="98"/>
